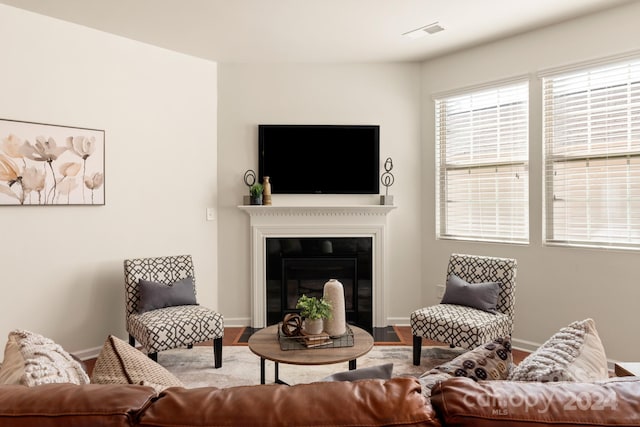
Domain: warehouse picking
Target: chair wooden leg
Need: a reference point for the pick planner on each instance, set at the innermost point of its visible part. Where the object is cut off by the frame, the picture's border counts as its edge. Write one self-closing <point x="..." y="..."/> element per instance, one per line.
<point x="153" y="356"/>
<point x="132" y="341"/>
<point x="217" y="352"/>
<point x="417" y="349"/>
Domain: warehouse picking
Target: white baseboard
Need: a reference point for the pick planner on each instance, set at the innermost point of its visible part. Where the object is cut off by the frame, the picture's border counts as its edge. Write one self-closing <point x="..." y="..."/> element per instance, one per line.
<point x="237" y="322"/>
<point x="398" y="321"/>
<point x="90" y="353"/>
<point x="524" y="345"/>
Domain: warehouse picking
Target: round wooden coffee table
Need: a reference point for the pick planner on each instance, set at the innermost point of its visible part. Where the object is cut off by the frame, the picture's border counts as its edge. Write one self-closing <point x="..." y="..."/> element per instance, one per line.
<point x="264" y="343"/>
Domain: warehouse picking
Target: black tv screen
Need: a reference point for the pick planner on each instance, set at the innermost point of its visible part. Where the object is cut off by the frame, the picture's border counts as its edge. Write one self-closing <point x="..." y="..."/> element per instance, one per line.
<point x="320" y="159"/>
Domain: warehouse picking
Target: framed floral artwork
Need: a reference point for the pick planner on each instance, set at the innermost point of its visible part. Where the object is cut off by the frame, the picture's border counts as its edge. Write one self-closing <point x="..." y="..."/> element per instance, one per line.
<point x="44" y="165"/>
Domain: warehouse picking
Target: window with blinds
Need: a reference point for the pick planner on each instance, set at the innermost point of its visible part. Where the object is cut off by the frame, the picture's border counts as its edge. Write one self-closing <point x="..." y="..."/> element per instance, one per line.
<point x="592" y="156"/>
<point x="482" y="164"/>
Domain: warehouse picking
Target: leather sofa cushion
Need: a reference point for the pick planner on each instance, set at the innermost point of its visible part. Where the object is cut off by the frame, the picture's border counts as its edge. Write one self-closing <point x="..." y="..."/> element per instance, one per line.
<point x="463" y="402"/>
<point x="72" y="405"/>
<point x="396" y="402"/>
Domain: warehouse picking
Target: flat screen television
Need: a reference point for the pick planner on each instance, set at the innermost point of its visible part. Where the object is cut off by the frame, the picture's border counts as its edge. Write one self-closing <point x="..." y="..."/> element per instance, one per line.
<point x="320" y="159"/>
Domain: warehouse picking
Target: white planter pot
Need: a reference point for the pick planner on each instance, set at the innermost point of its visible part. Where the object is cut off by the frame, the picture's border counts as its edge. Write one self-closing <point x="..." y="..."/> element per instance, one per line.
<point x="313" y="326"/>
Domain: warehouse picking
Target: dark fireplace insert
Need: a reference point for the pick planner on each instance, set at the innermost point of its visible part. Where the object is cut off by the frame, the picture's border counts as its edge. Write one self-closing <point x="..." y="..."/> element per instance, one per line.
<point x="297" y="266"/>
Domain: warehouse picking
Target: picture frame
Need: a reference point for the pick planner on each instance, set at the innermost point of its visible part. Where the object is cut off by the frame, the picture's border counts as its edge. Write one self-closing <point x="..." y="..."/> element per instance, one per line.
<point x="46" y="165"/>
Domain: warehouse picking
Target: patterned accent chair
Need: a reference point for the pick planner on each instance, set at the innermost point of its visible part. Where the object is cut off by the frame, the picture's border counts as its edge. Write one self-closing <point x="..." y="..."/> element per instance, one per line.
<point x="468" y="327"/>
<point x="169" y="327"/>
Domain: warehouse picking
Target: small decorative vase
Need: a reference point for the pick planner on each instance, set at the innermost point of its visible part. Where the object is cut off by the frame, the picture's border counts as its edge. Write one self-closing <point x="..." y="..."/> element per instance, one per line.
<point x="256" y="200"/>
<point x="334" y="293"/>
<point x="266" y="192"/>
<point x="313" y="326"/>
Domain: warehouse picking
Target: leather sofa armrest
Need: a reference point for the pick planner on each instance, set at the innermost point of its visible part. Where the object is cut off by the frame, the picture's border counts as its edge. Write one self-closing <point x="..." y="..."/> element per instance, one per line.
<point x="464" y="402"/>
<point x="396" y="402"/>
<point x="72" y="405"/>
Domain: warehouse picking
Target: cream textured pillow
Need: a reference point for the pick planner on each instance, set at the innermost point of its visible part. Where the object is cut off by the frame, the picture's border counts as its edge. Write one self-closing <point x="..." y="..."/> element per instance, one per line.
<point x="120" y="363"/>
<point x="574" y="353"/>
<point x="31" y="359"/>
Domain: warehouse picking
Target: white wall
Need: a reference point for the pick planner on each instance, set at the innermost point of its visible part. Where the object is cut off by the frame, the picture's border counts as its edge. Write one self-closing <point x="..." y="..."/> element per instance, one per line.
<point x="554" y="285"/>
<point x="383" y="94"/>
<point x="61" y="267"/>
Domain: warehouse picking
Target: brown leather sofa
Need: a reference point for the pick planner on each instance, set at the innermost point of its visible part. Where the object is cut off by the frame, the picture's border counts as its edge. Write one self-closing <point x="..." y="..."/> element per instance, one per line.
<point x="463" y="402"/>
<point x="394" y="402"/>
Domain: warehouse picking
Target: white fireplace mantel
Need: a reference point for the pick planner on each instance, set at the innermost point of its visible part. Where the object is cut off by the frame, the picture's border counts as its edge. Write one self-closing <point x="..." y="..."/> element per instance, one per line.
<point x="317" y="221"/>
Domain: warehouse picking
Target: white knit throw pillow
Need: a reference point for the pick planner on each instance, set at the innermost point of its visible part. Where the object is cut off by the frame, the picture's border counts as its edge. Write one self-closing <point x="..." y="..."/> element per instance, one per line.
<point x="45" y="362"/>
<point x="574" y="353"/>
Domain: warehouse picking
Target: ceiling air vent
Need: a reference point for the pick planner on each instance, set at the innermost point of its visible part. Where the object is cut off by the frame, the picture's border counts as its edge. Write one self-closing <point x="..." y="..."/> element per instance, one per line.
<point x="423" y="31"/>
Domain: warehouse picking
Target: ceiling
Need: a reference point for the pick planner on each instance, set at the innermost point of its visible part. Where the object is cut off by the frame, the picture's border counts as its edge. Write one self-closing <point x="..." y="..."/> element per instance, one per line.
<point x="259" y="31"/>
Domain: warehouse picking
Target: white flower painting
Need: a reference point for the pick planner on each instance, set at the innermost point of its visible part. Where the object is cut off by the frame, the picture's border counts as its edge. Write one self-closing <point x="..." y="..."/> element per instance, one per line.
<point x="43" y="164"/>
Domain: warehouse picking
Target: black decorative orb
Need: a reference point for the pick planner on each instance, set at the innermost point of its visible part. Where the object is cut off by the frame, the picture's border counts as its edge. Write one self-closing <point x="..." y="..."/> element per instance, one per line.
<point x="292" y="325"/>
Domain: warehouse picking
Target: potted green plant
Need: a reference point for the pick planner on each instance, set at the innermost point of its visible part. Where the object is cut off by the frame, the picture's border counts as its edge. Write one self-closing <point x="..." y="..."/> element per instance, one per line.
<point x="314" y="310"/>
<point x="256" y="193"/>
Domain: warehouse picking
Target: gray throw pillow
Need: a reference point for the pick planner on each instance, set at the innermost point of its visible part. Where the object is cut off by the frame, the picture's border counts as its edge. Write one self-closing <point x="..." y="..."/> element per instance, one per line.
<point x="483" y="296"/>
<point x="380" y="372"/>
<point x="155" y="295"/>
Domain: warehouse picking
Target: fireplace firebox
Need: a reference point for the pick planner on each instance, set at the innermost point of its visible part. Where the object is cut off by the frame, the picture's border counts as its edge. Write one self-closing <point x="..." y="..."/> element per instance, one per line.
<point x="301" y="266"/>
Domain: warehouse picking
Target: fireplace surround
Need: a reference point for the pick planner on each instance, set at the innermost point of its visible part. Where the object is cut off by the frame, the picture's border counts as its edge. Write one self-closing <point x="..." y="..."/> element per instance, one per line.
<point x="323" y="223"/>
<point x="297" y="266"/>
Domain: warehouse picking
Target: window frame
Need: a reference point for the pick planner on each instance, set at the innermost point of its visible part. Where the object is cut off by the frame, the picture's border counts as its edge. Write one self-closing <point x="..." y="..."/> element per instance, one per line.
<point x="443" y="226"/>
<point x="551" y="211"/>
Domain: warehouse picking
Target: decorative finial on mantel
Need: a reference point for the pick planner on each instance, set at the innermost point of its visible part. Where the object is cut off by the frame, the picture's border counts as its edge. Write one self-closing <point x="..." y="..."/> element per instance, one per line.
<point x="249" y="180"/>
<point x="387" y="179"/>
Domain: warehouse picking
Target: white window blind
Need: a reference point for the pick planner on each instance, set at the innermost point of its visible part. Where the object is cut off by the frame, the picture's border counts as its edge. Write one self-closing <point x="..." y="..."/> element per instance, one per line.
<point x="482" y="164"/>
<point x="592" y="156"/>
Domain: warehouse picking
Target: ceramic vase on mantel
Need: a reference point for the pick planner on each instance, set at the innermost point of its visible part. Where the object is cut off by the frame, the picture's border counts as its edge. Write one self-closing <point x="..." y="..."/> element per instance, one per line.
<point x="334" y="293"/>
<point x="266" y="193"/>
<point x="313" y="326"/>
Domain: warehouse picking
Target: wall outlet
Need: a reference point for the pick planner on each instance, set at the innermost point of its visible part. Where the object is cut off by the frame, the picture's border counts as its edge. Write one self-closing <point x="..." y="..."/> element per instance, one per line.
<point x="439" y="292"/>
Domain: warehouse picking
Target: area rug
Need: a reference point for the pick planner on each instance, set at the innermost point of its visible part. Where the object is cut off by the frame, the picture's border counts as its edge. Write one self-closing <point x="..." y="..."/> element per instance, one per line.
<point x="240" y="366"/>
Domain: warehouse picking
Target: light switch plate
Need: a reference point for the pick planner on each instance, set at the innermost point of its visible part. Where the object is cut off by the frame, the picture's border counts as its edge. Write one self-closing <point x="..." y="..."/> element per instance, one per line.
<point x="211" y="214"/>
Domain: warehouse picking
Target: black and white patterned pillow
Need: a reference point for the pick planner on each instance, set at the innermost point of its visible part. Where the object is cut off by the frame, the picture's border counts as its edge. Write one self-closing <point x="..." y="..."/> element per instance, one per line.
<point x="490" y="361"/>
